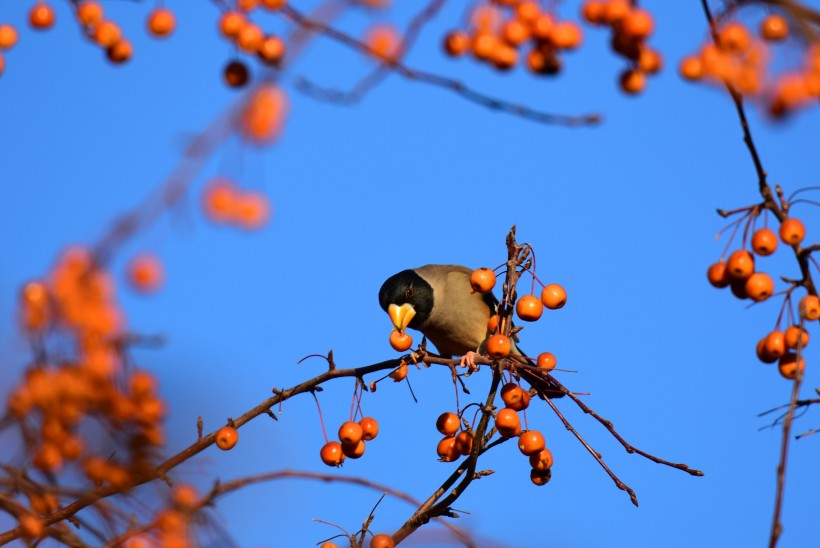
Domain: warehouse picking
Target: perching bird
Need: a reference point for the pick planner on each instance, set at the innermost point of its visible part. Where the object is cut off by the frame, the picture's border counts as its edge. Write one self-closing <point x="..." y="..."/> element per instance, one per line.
<point x="438" y="301"/>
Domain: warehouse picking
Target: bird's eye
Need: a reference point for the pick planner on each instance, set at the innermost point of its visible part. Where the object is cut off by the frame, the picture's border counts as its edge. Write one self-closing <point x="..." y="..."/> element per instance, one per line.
<point x="409" y="293"/>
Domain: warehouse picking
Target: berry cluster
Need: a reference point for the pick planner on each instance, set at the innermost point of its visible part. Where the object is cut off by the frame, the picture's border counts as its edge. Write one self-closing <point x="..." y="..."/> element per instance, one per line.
<point x="248" y="37"/>
<point x="501" y="29"/>
<point x="352" y="436"/>
<point x="65" y="391"/>
<point x="225" y="203"/>
<point x="740" y="273"/>
<point x="741" y="59"/>
<point x="529" y="308"/>
<point x="631" y="27"/>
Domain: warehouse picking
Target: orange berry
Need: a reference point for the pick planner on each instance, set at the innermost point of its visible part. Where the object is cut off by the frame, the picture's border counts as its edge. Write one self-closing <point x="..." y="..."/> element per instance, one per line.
<point x="507" y="422"/>
<point x="504" y="57"/>
<point x="400" y="340"/>
<point x="553" y="296"/>
<point x="446" y="449"/>
<point x="329" y="544"/>
<point x="250" y="38"/>
<point x="764" y="242"/>
<point x="492" y="323"/>
<point x="120" y="52"/>
<point x="252" y="210"/>
<point x="456" y="43"/>
<point x="792" y="231"/>
<point x="567" y="35"/>
<point x="514" y="32"/>
<point x="485" y="18"/>
<point x="219" y="199"/>
<point x="272" y="49"/>
<point x="226" y="437"/>
<point x="796" y="336"/>
<point x="145" y="273"/>
<point x="649" y="61"/>
<point x="789" y="365"/>
<point x="691" y="68"/>
<point x="399" y="373"/>
<point x="448" y="423"/>
<point x="540" y="478"/>
<point x="48" y="458"/>
<point x="464" y="443"/>
<point x="231" y="24"/>
<point x="482" y="280"/>
<point x="541" y="461"/>
<point x="41" y="16"/>
<point x="350" y="433"/>
<point x="383" y="40"/>
<point x="184" y="497"/>
<point x="89" y="13"/>
<point x="741" y="265"/>
<point x="616" y="10"/>
<point x="236" y="74"/>
<point x="734" y="37"/>
<point x="718" y="275"/>
<point x="543" y="62"/>
<point x="31" y="527"/>
<point x="161" y="22"/>
<point x="762" y="354"/>
<point x="775" y="344"/>
<point x="774" y="28"/>
<point x="632" y="81"/>
<point x="809" y="307"/>
<point x="638" y="24"/>
<point x="264" y="115"/>
<point x="531" y="442"/>
<point x="529" y="308"/>
<point x="353" y="451"/>
<point x="499" y="346"/>
<point x="370" y="428"/>
<point x="759" y="286"/>
<point x="483" y="45"/>
<point x="542" y="27"/>
<point x="382" y="541"/>
<point x="8" y="36"/>
<point x="594" y="12"/>
<point x="512" y="395"/>
<point x="546" y="361"/>
<point x="527" y="11"/>
<point x="107" y="33"/>
<point x="332" y="454"/>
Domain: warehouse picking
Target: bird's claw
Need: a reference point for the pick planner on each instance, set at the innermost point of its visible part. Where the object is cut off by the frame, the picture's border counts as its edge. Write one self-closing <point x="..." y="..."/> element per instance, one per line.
<point x="468" y="360"/>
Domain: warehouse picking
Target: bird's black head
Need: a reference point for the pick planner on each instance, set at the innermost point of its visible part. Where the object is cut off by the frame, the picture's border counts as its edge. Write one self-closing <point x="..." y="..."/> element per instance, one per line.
<point x="408" y="287"/>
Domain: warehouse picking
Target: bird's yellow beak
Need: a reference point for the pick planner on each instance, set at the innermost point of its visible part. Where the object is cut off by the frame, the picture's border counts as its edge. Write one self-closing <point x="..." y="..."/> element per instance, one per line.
<point x="401" y="315"/>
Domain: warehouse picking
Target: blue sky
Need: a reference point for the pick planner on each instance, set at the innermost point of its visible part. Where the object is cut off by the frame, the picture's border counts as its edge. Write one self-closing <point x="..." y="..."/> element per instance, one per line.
<point x="622" y="215"/>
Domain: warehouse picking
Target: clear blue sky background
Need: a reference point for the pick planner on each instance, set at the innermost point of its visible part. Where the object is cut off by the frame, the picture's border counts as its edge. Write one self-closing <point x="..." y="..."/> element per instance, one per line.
<point x="622" y="215"/>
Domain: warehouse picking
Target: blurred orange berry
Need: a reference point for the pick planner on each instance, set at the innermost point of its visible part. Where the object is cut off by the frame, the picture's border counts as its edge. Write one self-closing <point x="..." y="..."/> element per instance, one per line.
<point x="231" y="24"/>
<point x="774" y="28"/>
<point x="89" y="13"/>
<point x="383" y="40"/>
<point x="41" y="16"/>
<point x="107" y="33"/>
<point x="120" y="52"/>
<point x="272" y="49"/>
<point x="252" y="210"/>
<point x="8" y="36"/>
<point x="161" y="22"/>
<point x="263" y="117"/>
<point x="145" y="273"/>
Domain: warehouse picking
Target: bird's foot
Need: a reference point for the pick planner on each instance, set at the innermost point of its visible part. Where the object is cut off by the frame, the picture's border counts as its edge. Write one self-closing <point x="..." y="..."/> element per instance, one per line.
<point x="468" y="360"/>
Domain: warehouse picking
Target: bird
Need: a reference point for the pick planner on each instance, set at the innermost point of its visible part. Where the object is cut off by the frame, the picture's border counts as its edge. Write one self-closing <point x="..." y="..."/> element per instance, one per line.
<point x="438" y="301"/>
